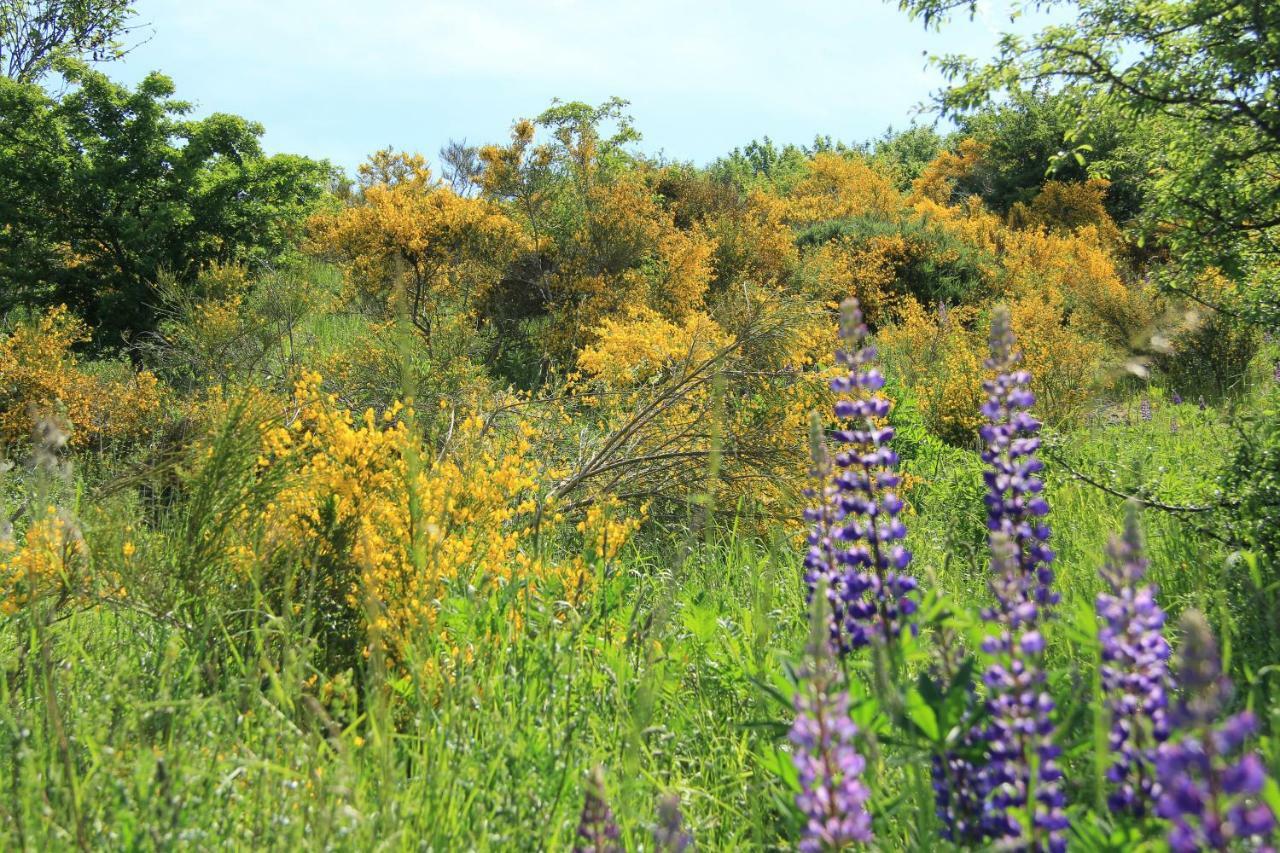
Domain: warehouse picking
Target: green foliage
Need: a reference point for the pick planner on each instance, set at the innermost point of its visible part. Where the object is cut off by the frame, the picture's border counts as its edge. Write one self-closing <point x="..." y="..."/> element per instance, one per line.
<point x="903" y="154"/>
<point x="1254" y="477"/>
<point x="36" y="34"/>
<point x="105" y="188"/>
<point x="761" y="164"/>
<point x="938" y="265"/>
<point x="1027" y="141"/>
<point x="1199" y="79"/>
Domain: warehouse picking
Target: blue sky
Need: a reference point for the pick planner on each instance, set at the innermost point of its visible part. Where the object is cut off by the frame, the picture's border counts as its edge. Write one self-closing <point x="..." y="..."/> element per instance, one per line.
<point x="340" y="79"/>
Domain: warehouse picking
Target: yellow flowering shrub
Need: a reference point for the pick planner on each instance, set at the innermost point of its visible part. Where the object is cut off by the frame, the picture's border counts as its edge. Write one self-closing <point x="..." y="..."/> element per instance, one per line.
<point x="1207" y="344"/>
<point x="1064" y="359"/>
<point x="753" y="242"/>
<point x="939" y="356"/>
<point x="42" y="377"/>
<point x="1067" y="206"/>
<point x="409" y="231"/>
<point x="683" y="272"/>
<point x="49" y="563"/>
<point x="1078" y="271"/>
<point x="389" y="530"/>
<point x="840" y="187"/>
<point x="632" y="348"/>
<point x="839" y="269"/>
<point x="692" y="411"/>
<point x="937" y="180"/>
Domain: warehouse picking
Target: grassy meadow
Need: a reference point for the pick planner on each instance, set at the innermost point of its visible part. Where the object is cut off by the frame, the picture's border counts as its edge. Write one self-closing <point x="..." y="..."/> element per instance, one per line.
<point x="548" y="494"/>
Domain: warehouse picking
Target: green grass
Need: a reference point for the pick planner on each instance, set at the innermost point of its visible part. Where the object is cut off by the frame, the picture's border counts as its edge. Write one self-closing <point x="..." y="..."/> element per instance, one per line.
<point x="129" y="731"/>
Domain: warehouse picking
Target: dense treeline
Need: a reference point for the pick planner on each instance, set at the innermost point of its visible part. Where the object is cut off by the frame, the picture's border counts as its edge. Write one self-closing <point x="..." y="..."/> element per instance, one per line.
<point x="409" y="494"/>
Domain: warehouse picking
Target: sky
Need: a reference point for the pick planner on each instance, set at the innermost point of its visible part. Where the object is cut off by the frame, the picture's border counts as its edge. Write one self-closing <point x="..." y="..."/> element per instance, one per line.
<point x="340" y="79"/>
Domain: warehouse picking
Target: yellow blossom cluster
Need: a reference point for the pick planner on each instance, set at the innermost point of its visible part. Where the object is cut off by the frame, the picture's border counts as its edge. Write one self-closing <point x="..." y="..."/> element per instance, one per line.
<point x="50" y="562"/>
<point x="940" y="355"/>
<point x="392" y="527"/>
<point x="42" y="377"/>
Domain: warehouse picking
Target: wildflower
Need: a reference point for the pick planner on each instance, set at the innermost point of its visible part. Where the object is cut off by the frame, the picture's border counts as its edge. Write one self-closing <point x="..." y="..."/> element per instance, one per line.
<point x="1201" y="403"/>
<point x="597" y="830"/>
<point x="1021" y="772"/>
<point x="958" y="781"/>
<point x="669" y="835"/>
<point x="832" y="796"/>
<point x="856" y="535"/>
<point x="958" y="785"/>
<point x="1177" y="398"/>
<point x="1144" y="408"/>
<point x="1015" y="505"/>
<point x="1211" y="800"/>
<point x="1021" y="769"/>
<point x="1134" y="671"/>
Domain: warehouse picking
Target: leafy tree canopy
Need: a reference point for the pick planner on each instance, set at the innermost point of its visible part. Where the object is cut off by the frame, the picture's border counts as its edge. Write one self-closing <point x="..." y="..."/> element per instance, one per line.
<point x="35" y="34"/>
<point x="106" y="187"/>
<point x="1201" y="78"/>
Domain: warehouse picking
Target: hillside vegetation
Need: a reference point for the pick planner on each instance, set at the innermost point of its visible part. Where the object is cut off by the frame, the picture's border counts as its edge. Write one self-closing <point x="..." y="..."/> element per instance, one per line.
<point x="904" y="494"/>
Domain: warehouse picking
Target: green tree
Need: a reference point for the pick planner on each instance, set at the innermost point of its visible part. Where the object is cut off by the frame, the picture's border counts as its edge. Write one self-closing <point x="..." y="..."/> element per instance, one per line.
<point x="761" y="164"/>
<point x="1199" y="79"/>
<point x="1033" y="136"/>
<point x="35" y="34"/>
<point x="103" y="189"/>
<point x="903" y="154"/>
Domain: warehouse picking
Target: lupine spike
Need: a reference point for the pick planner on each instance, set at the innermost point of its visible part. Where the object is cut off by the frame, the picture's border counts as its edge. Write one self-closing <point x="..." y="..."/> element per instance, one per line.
<point x="1134" y="672"/>
<point x="1022" y="772"/>
<point x="855" y="541"/>
<point x="1015" y="505"/>
<point x="1021" y="776"/>
<point x="832" y="795"/>
<point x="957" y="777"/>
<point x="1211" y="800"/>
<point x="670" y="835"/>
<point x="597" y="829"/>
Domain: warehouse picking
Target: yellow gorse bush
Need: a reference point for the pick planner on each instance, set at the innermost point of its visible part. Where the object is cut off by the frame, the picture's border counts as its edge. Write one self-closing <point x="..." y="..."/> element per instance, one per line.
<point x="49" y="563"/>
<point x="42" y="377"/>
<point x="393" y="529"/>
<point x="940" y="355"/>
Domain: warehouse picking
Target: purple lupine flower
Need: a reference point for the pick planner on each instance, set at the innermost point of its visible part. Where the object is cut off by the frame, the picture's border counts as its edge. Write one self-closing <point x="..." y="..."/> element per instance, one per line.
<point x="1021" y="717"/>
<point x="597" y="830"/>
<point x="958" y="781"/>
<point x="823" y="569"/>
<point x="1201" y="403"/>
<point x="1135" y="671"/>
<point x="832" y="795"/>
<point x="856" y="535"/>
<point x="959" y="792"/>
<point x="1144" y="408"/>
<point x="1015" y="505"/>
<point x="670" y="835"/>
<point x="1210" y="799"/>
<point x="1022" y="771"/>
<point x="1177" y="398"/>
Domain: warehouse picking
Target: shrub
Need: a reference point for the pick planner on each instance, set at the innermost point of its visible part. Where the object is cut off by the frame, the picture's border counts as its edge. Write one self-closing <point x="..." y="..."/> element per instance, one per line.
<point x="42" y="377"/>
